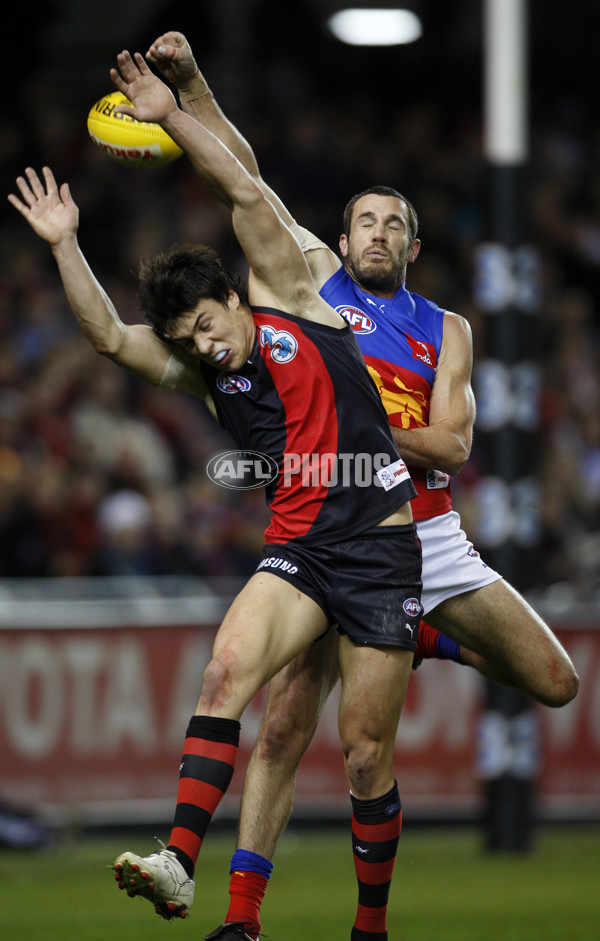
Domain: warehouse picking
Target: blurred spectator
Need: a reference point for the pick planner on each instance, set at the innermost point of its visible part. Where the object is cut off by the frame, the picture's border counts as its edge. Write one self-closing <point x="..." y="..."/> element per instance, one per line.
<point x="127" y="546"/>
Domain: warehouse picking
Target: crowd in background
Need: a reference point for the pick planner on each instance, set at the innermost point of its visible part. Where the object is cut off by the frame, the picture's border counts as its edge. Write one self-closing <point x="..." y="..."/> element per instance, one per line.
<point x="100" y="474"/>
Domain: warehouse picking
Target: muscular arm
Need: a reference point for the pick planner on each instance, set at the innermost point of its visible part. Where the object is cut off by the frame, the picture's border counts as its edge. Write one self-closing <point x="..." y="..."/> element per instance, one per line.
<point x="279" y="274"/>
<point x="54" y="216"/>
<point x="134" y="347"/>
<point x="445" y="443"/>
<point x="171" y="53"/>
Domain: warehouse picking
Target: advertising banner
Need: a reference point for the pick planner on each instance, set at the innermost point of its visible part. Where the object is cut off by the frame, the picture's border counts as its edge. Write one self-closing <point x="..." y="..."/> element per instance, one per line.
<point x="92" y="722"/>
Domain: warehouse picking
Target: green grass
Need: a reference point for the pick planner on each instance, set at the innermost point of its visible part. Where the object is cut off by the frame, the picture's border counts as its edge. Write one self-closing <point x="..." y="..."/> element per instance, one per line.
<point x="445" y="889"/>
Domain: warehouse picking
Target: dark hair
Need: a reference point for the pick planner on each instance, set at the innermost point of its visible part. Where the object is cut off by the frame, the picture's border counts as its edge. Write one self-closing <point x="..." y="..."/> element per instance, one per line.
<point x="413" y="222"/>
<point x="173" y="282"/>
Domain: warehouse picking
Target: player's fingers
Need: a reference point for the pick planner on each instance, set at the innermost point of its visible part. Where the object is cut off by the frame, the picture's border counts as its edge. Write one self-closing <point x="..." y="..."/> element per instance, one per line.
<point x="124" y="109"/>
<point x="14" y="201"/>
<point x="164" y="51"/>
<point x="34" y="181"/>
<point x="141" y="64"/>
<point x="126" y="66"/>
<point x="65" y="193"/>
<point x="51" y="187"/>
<point x="161" y="40"/>
<point x="26" y="190"/>
<point x="118" y="81"/>
<point x="171" y="38"/>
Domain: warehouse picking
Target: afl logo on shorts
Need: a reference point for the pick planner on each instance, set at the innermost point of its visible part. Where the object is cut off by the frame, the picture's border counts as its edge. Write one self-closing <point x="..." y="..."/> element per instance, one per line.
<point x="358" y="320"/>
<point x="283" y="345"/>
<point x="229" y="382"/>
<point x="412" y="607"/>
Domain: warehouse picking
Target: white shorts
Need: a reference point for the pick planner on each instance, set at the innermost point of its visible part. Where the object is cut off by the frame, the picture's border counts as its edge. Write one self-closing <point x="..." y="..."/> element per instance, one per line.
<point x="450" y="563"/>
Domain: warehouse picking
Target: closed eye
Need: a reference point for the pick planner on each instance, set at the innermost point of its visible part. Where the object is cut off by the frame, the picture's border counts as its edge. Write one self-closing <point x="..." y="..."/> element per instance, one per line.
<point x="186" y="342"/>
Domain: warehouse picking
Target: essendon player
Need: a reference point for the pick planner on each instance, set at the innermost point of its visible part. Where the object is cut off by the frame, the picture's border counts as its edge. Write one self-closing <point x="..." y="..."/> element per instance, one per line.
<point x="338" y="553"/>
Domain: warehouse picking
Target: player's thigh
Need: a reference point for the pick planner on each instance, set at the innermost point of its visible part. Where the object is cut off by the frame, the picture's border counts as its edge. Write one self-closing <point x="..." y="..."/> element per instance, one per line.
<point x="495" y="619"/>
<point x="268" y="624"/>
<point x="374" y="684"/>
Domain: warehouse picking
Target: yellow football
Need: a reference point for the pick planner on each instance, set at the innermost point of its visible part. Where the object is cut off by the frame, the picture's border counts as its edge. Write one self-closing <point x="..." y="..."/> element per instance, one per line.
<point x="128" y="141"/>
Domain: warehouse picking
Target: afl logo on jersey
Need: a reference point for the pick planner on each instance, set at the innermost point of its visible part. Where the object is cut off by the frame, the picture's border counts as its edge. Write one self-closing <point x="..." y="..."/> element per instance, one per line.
<point x="358" y="320"/>
<point x="283" y="345"/>
<point x="229" y="382"/>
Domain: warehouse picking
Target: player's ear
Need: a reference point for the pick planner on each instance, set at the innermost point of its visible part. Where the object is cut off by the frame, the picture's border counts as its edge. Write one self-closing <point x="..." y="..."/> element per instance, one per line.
<point x="233" y="301"/>
<point x="415" y="248"/>
<point x="343" y="245"/>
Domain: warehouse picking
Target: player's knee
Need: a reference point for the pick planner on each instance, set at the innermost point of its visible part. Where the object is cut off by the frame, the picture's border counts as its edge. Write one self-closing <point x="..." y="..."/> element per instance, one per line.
<point x="218" y="680"/>
<point x="364" y="759"/>
<point x="282" y="739"/>
<point x="565" y="687"/>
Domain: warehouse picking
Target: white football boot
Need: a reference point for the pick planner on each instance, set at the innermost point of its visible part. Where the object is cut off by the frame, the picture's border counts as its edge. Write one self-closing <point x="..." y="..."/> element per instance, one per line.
<point x="160" y="878"/>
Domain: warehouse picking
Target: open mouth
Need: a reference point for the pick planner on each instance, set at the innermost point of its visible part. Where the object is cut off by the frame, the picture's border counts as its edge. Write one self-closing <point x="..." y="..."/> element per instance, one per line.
<point x="222" y="356"/>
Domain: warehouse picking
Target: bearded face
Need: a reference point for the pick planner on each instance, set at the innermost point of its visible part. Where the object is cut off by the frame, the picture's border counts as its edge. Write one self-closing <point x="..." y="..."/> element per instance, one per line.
<point x="377" y="272"/>
<point x="379" y="246"/>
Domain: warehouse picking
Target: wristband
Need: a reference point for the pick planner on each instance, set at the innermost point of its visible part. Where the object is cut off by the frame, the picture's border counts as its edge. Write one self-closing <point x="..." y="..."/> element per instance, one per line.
<point x="195" y="88"/>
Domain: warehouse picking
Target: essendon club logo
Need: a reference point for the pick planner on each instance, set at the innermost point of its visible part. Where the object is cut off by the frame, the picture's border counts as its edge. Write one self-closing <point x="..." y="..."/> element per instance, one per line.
<point x="358" y="320"/>
<point x="282" y="345"/>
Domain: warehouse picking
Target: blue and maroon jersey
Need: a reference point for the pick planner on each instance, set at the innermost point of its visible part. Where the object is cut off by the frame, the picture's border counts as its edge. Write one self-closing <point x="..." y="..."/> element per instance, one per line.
<point x="305" y="399"/>
<point x="400" y="339"/>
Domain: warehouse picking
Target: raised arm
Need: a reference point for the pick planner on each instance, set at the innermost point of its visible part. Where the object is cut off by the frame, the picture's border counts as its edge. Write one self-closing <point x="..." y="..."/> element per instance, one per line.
<point x="172" y="55"/>
<point x="54" y="216"/>
<point x="279" y="275"/>
<point x="445" y="443"/>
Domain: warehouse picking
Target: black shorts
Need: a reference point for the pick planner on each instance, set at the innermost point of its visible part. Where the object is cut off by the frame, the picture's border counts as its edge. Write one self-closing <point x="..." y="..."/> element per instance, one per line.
<point x="369" y="586"/>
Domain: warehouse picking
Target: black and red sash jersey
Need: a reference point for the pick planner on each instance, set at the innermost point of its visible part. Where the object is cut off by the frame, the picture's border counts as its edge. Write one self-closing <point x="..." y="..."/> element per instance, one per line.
<point x="306" y="400"/>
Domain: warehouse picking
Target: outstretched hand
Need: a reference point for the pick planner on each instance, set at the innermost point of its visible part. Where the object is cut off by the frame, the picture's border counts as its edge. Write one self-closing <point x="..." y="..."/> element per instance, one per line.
<point x="50" y="212"/>
<point x="150" y="98"/>
<point x="172" y="55"/>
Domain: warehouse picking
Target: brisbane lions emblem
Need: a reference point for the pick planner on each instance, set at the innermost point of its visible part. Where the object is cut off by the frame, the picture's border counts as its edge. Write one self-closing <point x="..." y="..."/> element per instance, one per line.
<point x="358" y="320"/>
<point x="229" y="382"/>
<point x="283" y="345"/>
